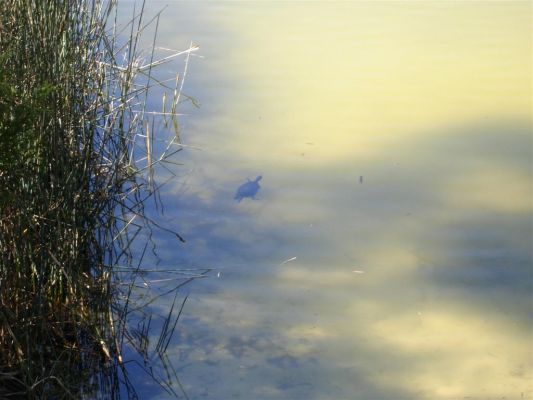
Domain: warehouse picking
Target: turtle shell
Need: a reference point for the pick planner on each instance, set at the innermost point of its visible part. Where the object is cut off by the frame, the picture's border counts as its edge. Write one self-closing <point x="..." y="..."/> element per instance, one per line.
<point x="248" y="189"/>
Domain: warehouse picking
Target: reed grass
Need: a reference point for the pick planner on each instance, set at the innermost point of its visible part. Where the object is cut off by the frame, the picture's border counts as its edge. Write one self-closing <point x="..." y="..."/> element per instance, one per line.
<point x="76" y="170"/>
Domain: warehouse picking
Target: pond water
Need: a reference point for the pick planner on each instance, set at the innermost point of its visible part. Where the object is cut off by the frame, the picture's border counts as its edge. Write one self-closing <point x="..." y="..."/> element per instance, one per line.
<point x="388" y="251"/>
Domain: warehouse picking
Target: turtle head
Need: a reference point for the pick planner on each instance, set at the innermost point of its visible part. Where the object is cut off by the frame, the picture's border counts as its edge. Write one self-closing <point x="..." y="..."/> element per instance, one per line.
<point x="258" y="178"/>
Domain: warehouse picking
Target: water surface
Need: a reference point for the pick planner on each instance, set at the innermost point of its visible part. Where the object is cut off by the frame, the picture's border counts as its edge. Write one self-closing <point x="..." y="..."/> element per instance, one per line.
<point x="388" y="253"/>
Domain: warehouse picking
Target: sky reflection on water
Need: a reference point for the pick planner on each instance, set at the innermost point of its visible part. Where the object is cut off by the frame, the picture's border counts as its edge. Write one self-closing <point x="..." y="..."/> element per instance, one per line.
<point x="415" y="283"/>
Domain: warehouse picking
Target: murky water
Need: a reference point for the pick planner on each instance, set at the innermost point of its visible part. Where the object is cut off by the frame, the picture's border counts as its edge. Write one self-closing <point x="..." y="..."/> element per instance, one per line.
<point x="387" y="254"/>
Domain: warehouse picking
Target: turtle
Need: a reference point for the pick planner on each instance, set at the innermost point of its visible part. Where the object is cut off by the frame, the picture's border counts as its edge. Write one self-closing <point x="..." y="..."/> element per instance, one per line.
<point x="248" y="189"/>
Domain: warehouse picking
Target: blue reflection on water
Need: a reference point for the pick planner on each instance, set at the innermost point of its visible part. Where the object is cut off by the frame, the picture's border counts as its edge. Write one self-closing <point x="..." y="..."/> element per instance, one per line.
<point x="480" y="258"/>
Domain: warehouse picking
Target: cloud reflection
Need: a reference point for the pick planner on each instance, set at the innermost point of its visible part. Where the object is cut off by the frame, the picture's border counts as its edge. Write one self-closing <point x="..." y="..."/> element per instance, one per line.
<point x="431" y="104"/>
<point x="441" y="309"/>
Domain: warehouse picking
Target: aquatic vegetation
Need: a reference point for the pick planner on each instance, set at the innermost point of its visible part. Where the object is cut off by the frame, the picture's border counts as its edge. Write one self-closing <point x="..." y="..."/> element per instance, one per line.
<point x="76" y="170"/>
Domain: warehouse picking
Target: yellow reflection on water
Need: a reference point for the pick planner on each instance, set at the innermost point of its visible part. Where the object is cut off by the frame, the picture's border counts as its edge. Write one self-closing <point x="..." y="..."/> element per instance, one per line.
<point x="348" y="76"/>
<point x="463" y="353"/>
<point x="394" y="143"/>
<point x="491" y="188"/>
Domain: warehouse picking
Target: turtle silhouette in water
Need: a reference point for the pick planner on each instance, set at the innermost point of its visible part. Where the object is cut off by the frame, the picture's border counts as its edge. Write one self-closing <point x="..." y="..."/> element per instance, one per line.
<point x="248" y="189"/>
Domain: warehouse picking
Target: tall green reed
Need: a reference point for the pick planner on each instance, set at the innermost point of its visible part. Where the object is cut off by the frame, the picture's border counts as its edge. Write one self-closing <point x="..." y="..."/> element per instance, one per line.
<point x="76" y="169"/>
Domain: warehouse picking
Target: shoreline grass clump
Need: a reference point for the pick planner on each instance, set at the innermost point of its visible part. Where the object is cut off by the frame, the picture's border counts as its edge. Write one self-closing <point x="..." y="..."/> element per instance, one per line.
<point x="76" y="168"/>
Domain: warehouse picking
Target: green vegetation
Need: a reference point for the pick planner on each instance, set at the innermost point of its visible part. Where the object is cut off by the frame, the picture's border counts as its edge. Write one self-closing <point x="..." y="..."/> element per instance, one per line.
<point x="76" y="166"/>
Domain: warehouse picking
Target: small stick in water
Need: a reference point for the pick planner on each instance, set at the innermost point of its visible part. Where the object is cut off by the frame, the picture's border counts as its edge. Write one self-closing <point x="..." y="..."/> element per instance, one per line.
<point x="289" y="260"/>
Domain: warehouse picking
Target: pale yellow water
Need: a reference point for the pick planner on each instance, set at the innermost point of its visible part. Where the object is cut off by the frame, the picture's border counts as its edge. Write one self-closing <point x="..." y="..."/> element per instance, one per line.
<point x="394" y="141"/>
